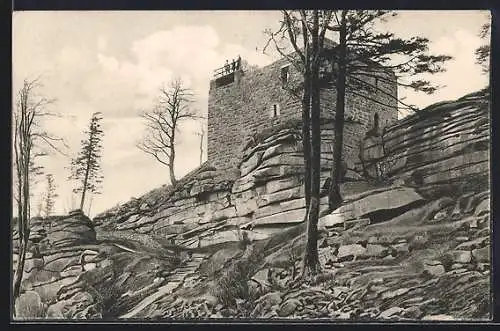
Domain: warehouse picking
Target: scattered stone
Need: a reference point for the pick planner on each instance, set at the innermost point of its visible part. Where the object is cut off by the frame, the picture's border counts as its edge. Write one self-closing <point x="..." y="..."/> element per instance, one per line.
<point x="401" y="247"/>
<point x="457" y="266"/>
<point x="461" y="239"/>
<point x="440" y="215"/>
<point x="456" y="271"/>
<point x="394" y="293"/>
<point x="388" y="313"/>
<point x="289" y="307"/>
<point x="440" y="317"/>
<point x="413" y="312"/>
<point x="481" y="267"/>
<point x="392" y="198"/>
<point x="462" y="257"/>
<point x="471" y="221"/>
<point x="373" y="250"/>
<point x="332" y="220"/>
<point x="337" y="265"/>
<point x="476" y="243"/>
<point x="270" y="299"/>
<point x="434" y="268"/>
<point x="481" y="254"/>
<point x="352" y="250"/>
<point x="483" y="207"/>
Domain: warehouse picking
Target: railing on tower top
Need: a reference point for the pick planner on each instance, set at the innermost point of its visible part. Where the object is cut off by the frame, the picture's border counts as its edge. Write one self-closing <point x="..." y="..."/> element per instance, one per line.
<point x="228" y="68"/>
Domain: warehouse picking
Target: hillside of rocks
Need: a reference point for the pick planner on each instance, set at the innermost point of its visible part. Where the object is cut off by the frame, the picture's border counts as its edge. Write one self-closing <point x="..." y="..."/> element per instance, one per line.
<point x="411" y="241"/>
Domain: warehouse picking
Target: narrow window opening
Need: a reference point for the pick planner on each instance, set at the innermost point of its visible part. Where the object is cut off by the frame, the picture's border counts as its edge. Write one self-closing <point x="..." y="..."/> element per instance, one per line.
<point x="275" y="112"/>
<point x="376" y="121"/>
<point x="285" y="74"/>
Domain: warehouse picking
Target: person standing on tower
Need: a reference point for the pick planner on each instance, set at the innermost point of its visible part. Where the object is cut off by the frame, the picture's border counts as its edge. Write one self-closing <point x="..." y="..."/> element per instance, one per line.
<point x="238" y="62"/>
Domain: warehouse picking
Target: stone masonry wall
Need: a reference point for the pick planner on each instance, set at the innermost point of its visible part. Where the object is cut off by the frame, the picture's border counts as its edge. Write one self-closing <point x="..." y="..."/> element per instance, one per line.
<point x="244" y="108"/>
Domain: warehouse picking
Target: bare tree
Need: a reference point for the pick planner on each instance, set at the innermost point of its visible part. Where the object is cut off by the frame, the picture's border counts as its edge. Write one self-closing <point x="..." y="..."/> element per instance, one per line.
<point x="28" y="135"/>
<point x="174" y="105"/>
<point x="201" y="134"/>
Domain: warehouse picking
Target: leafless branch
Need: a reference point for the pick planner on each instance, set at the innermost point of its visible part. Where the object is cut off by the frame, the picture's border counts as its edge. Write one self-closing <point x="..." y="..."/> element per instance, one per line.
<point x="174" y="105"/>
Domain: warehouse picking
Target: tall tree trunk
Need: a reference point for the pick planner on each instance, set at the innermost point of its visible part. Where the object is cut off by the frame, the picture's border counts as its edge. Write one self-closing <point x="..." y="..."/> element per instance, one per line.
<point x="18" y="275"/>
<point x="90" y="205"/>
<point x="85" y="181"/>
<point x="311" y="260"/>
<point x="334" y="196"/>
<point x="26" y="190"/>
<point x="306" y="139"/>
<point x="21" y="227"/>
<point x="201" y="145"/>
<point x="23" y="211"/>
<point x="171" y="162"/>
<point x="306" y="119"/>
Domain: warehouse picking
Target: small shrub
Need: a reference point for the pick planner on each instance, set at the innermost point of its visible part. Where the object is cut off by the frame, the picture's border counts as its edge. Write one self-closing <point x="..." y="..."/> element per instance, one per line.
<point x="419" y="241"/>
<point x="446" y="260"/>
<point x="324" y="277"/>
<point x="233" y="283"/>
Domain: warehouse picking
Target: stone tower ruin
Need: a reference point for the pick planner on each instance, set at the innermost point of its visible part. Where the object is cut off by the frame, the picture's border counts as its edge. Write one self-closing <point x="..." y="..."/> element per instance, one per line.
<point x="244" y="101"/>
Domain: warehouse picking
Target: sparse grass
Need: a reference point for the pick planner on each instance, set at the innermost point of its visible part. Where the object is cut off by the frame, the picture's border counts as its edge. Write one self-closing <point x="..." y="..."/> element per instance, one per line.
<point x="446" y="260"/>
<point x="232" y="288"/>
<point x="48" y="292"/>
<point x="327" y="277"/>
<point x="233" y="284"/>
<point x="217" y="261"/>
<point x="29" y="306"/>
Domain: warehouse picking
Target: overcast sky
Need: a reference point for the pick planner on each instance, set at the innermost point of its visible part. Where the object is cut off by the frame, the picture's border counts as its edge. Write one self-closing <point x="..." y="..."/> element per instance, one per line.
<point x="115" y="62"/>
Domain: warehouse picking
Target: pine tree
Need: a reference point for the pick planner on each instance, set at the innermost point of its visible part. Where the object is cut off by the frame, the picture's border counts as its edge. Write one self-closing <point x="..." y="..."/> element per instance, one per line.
<point x="50" y="195"/>
<point x="483" y="51"/>
<point x="363" y="55"/>
<point x="86" y="166"/>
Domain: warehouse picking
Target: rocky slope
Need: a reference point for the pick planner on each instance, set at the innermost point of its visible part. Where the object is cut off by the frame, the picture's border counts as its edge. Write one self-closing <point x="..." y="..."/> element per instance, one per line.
<point x="70" y="273"/>
<point x="419" y="265"/>
<point x="411" y="241"/>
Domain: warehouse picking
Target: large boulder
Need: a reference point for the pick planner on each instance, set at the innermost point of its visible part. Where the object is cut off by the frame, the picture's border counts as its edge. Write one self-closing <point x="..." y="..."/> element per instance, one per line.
<point x="77" y="229"/>
<point x="393" y="198"/>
